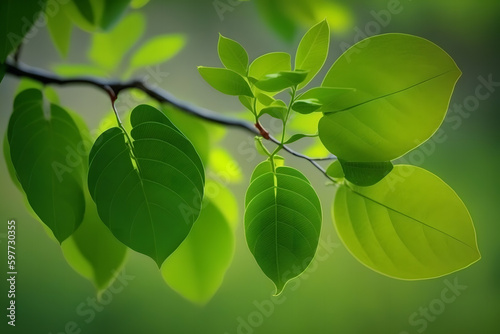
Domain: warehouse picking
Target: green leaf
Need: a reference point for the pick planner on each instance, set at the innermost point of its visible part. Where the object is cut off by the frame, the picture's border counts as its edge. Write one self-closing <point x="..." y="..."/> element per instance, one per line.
<point x="85" y="9"/>
<point x="107" y="49"/>
<point x="273" y="13"/>
<point x="12" y="27"/>
<point x="72" y="70"/>
<point x="225" y="81"/>
<point x="44" y="148"/>
<point x="335" y="171"/>
<point x="232" y="55"/>
<point x="326" y="96"/>
<point x="193" y="128"/>
<point x="403" y="86"/>
<point x="136" y="4"/>
<point x="276" y="111"/>
<point x="365" y="173"/>
<point x="157" y="50"/>
<point x="224" y="165"/>
<point x="112" y="12"/>
<point x="60" y="27"/>
<point x="306" y="106"/>
<point x="93" y="251"/>
<point x="268" y="64"/>
<point x="312" y="51"/>
<point x="148" y="192"/>
<point x="411" y="225"/>
<point x="265" y="99"/>
<point x="278" y="81"/>
<point x="282" y="222"/>
<point x="299" y="136"/>
<point x="196" y="269"/>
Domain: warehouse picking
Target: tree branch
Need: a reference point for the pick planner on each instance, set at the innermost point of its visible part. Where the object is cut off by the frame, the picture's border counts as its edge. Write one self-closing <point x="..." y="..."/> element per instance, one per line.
<point x="113" y="88"/>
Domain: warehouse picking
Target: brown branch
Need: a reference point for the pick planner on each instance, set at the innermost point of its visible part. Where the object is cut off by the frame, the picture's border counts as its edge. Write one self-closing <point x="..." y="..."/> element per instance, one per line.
<point x="113" y="88"/>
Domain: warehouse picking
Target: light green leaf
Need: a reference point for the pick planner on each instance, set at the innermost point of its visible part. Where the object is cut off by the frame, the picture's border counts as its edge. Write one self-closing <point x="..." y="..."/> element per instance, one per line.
<point x="273" y="13"/>
<point x="223" y="164"/>
<point x="335" y="171"/>
<point x="365" y="173"/>
<point x="312" y="51"/>
<point x="225" y="81"/>
<point x="12" y="27"/>
<point x="282" y="222"/>
<point x="299" y="136"/>
<point x="136" y="4"/>
<point x="410" y="225"/>
<point x="107" y="49"/>
<point x="72" y="70"/>
<point x="60" y="27"/>
<point x="278" y="81"/>
<point x="157" y="50"/>
<point x="148" y="192"/>
<point x="277" y="111"/>
<point x="196" y="269"/>
<point x="44" y="152"/>
<point x="268" y="64"/>
<point x="266" y="100"/>
<point x="232" y="55"/>
<point x="246" y="102"/>
<point x="403" y="86"/>
<point x="224" y="200"/>
<point x="306" y="106"/>
<point x="93" y="251"/>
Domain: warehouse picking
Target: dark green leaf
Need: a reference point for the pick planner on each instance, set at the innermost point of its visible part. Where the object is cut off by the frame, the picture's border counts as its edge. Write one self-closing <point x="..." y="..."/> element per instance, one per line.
<point x="403" y="86"/>
<point x="278" y="81"/>
<point x="85" y="9"/>
<point x="147" y="192"/>
<point x="232" y="55"/>
<point x="13" y="27"/>
<point x="312" y="51"/>
<point x="44" y="152"/>
<point x="225" y="81"/>
<point x="365" y="173"/>
<point x="282" y="222"/>
<point x="410" y="225"/>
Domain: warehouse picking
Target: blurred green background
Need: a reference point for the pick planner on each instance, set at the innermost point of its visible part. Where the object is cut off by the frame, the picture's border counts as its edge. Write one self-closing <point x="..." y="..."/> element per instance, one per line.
<point x="337" y="294"/>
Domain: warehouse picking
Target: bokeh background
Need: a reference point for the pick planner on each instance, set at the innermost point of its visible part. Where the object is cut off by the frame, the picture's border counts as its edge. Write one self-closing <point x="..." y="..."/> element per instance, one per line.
<point x="337" y="294"/>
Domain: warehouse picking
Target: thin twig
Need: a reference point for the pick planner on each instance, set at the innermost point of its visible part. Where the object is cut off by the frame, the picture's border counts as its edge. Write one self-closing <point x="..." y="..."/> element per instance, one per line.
<point x="113" y="88"/>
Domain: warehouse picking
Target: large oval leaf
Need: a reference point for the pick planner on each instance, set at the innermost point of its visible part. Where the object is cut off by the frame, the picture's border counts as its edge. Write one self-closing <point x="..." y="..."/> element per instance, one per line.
<point x="148" y="192"/>
<point x="402" y="88"/>
<point x="196" y="269"/>
<point x="282" y="222"/>
<point x="225" y="81"/>
<point x="410" y="225"/>
<point x="44" y="148"/>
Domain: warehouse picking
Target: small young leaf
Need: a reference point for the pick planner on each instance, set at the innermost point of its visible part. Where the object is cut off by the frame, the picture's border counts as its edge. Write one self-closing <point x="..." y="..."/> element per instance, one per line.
<point x="60" y="25"/>
<point x="312" y="51"/>
<point x="278" y="112"/>
<point x="298" y="136"/>
<point x="276" y="82"/>
<point x="225" y="81"/>
<point x="246" y="102"/>
<point x="158" y="49"/>
<point x="108" y="48"/>
<point x="268" y="64"/>
<point x="403" y="86"/>
<point x="410" y="225"/>
<point x="282" y="222"/>
<point x="335" y="171"/>
<point x="112" y="12"/>
<point x="306" y="106"/>
<point x="196" y="269"/>
<point x="43" y="150"/>
<point x="232" y="55"/>
<point x="265" y="99"/>
<point x="148" y="192"/>
<point x="365" y="173"/>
